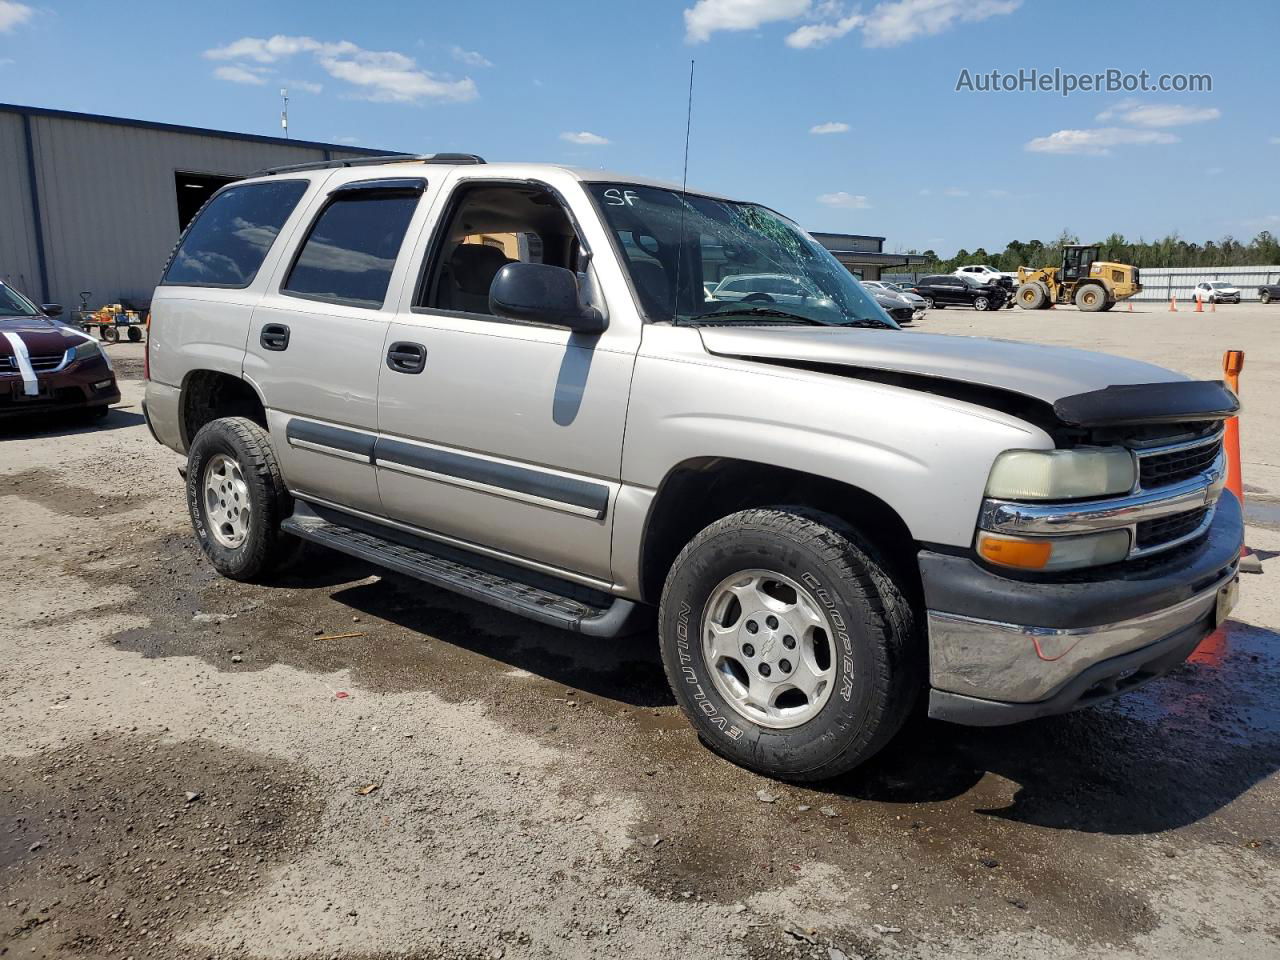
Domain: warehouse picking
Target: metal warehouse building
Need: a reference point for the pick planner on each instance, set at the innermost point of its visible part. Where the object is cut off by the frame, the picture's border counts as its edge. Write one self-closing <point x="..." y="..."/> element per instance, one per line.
<point x="96" y="203"/>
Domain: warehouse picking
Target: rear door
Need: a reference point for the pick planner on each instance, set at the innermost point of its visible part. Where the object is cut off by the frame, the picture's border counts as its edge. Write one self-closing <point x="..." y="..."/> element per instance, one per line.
<point x="316" y="341"/>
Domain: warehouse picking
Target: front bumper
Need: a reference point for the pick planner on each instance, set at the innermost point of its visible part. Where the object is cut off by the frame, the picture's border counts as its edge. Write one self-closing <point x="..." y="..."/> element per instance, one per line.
<point x="88" y="383"/>
<point x="1002" y="650"/>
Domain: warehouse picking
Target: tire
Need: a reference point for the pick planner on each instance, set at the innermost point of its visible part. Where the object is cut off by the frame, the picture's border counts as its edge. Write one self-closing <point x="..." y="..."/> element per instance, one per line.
<point x="981" y="303"/>
<point x="873" y="668"/>
<point x="1091" y="298"/>
<point x="1265" y="296"/>
<point x="135" y="334"/>
<point x="1108" y="305"/>
<point x="1031" y="296"/>
<point x="234" y="455"/>
<point x="109" y="333"/>
<point x="928" y="303"/>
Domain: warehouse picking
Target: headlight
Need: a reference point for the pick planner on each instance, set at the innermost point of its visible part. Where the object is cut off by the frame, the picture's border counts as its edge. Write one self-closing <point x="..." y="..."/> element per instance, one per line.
<point x="85" y="350"/>
<point x="1061" y="474"/>
<point x="1054" y="553"/>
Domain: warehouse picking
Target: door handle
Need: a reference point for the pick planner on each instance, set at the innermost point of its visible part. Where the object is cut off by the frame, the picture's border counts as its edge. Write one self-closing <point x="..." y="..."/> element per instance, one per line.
<point x="406" y="357"/>
<point x="274" y="336"/>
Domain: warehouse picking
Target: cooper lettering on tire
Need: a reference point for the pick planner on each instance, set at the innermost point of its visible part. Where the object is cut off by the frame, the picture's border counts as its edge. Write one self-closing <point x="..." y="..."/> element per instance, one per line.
<point x="787" y="642"/>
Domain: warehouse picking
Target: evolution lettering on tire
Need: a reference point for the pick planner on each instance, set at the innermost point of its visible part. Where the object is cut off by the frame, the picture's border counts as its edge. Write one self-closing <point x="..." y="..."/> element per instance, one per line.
<point x="787" y="643"/>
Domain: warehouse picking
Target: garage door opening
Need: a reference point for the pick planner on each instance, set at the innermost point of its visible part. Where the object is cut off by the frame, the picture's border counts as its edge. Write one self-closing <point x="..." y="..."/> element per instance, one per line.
<point x="193" y="190"/>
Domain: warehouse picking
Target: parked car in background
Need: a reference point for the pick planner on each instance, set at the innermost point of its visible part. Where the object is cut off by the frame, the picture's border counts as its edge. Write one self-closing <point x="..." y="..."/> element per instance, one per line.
<point x="952" y="290"/>
<point x="768" y="288"/>
<point x="1216" y="291"/>
<point x="1268" y="292"/>
<point x="902" y="305"/>
<point x="985" y="274"/>
<point x="46" y="366"/>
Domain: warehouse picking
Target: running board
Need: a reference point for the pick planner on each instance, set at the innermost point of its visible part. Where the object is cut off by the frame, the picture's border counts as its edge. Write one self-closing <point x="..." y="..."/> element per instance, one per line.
<point x="542" y="598"/>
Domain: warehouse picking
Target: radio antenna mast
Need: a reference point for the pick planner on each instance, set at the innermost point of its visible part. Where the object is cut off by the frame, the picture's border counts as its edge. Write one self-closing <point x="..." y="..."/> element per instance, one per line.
<point x="284" y="111"/>
<point x="684" y="191"/>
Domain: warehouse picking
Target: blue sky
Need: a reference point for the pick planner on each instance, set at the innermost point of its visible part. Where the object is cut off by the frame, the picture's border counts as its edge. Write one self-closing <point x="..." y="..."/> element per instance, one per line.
<point x="919" y="162"/>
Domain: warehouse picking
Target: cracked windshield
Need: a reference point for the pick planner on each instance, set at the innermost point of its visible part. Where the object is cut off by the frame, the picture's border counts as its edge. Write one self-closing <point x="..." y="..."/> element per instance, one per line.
<point x="695" y="259"/>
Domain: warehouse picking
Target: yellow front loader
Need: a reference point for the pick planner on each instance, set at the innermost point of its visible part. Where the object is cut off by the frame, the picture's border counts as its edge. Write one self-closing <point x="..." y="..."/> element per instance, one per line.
<point x="1091" y="284"/>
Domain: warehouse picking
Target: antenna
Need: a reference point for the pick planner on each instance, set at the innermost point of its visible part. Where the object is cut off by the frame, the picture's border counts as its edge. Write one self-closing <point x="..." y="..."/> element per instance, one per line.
<point x="684" y="191"/>
<point x="284" y="111"/>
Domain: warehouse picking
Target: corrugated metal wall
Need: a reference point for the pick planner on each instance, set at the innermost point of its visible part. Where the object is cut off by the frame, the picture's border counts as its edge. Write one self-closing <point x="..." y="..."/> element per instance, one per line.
<point x="107" y="199"/>
<point x="18" y="263"/>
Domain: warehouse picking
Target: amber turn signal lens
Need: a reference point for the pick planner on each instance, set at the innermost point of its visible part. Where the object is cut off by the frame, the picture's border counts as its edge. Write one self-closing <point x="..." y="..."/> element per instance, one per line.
<point x="1014" y="552"/>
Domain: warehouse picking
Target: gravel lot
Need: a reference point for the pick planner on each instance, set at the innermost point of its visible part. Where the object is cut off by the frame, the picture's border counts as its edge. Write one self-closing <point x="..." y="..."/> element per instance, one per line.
<point x="350" y="764"/>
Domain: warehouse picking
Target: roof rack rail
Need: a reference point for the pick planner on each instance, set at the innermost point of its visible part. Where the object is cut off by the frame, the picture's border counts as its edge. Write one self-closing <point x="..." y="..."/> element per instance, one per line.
<point x="451" y="158"/>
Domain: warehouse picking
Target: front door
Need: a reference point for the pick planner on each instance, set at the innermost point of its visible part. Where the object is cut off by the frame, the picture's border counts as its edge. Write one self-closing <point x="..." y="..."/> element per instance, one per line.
<point x="502" y="435"/>
<point x="316" y="339"/>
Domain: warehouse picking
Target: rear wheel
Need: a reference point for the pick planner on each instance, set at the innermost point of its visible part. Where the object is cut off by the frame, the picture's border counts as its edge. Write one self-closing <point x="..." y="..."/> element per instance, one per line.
<point x="1031" y="296"/>
<point x="787" y="643"/>
<point x="1108" y="305"/>
<point x="1265" y="296"/>
<point x="1090" y="298"/>
<point x="928" y="303"/>
<point x="236" y="499"/>
<point x="135" y="334"/>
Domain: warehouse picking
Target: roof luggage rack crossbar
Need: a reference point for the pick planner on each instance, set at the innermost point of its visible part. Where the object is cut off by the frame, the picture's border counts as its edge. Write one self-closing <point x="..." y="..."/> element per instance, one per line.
<point x="450" y="158"/>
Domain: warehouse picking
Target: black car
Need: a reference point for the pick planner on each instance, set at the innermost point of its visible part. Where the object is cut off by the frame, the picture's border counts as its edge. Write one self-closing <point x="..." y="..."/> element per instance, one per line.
<point x="949" y="290"/>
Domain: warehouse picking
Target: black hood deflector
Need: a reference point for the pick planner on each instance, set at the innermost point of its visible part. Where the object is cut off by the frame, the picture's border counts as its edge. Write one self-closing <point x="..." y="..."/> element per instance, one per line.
<point x="1134" y="403"/>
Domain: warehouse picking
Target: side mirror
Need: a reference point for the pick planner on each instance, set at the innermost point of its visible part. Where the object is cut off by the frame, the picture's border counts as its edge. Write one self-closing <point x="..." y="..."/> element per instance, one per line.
<point x="541" y="293"/>
<point x="52" y="309"/>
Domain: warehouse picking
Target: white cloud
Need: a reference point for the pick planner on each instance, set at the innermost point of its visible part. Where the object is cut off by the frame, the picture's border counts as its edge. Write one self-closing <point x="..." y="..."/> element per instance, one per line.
<point x="896" y="22"/>
<point x="379" y="75"/>
<point x="708" y="16"/>
<point x="5" y="61"/>
<point x="820" y="34"/>
<point x="349" y="140"/>
<point x="842" y="200"/>
<point x="1157" y="115"/>
<point x="234" y="73"/>
<point x="1273" y="140"/>
<point x="955" y="192"/>
<point x="469" y="57"/>
<point x="997" y="192"/>
<point x="834" y="126"/>
<point x="306" y="86"/>
<point x="1097" y="142"/>
<point x="585" y="138"/>
<point x="13" y="14"/>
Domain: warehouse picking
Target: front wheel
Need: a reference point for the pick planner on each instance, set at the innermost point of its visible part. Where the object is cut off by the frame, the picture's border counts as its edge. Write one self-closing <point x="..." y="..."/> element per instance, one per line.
<point x="928" y="303"/>
<point x="788" y="644"/>
<point x="236" y="498"/>
<point x="981" y="303"/>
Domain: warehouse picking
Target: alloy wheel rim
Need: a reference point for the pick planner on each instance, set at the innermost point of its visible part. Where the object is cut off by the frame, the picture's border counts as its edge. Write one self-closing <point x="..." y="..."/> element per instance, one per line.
<point x="226" y="501"/>
<point x="768" y="645"/>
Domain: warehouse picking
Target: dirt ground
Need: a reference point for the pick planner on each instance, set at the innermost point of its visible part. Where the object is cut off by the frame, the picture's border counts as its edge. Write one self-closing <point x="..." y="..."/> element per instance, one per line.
<point x="350" y="764"/>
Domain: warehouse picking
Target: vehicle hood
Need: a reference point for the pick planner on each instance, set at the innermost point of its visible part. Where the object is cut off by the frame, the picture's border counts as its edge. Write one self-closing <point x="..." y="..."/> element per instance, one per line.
<point x="42" y="336"/>
<point x="1044" y="373"/>
<point x="886" y="299"/>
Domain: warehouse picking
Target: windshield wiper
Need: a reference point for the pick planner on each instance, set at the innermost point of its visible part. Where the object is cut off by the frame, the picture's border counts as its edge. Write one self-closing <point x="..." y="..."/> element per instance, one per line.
<point x="770" y="312"/>
<point x="714" y="316"/>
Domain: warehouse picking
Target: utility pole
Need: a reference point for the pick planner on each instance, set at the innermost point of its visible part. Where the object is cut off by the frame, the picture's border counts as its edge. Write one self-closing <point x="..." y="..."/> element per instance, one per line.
<point x="284" y="111"/>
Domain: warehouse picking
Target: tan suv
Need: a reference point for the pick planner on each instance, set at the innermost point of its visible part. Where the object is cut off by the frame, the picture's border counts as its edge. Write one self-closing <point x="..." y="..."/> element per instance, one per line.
<point x="511" y="380"/>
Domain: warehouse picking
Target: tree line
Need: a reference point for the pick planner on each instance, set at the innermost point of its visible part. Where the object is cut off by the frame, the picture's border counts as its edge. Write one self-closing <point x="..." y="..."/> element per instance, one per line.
<point x="1170" y="251"/>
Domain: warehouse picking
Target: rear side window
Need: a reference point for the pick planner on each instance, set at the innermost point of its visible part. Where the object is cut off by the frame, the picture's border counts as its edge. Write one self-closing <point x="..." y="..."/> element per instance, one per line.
<point x="226" y="244"/>
<point x="353" y="244"/>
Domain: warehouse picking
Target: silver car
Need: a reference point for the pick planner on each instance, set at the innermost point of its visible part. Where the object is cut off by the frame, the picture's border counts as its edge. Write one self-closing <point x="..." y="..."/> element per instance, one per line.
<point x="507" y="380"/>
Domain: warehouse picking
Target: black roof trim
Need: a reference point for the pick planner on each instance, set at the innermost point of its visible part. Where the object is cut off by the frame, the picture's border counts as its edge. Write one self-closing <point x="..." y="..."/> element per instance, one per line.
<point x="179" y="128"/>
<point x="454" y="158"/>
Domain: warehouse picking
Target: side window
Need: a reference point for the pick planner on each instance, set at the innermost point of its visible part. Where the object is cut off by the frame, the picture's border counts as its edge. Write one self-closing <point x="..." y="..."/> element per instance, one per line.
<point x="352" y="247"/>
<point x="226" y="244"/>
<point x="488" y="226"/>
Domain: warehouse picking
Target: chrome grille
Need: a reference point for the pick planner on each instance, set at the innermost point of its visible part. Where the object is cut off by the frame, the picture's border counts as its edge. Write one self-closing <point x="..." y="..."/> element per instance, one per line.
<point x="1174" y="464"/>
<point x="40" y="364"/>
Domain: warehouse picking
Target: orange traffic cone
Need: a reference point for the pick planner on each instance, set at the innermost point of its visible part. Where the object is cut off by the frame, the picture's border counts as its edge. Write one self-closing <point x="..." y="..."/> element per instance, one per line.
<point x="1199" y="305"/>
<point x="1232" y="364"/>
<point x="1173" y="304"/>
